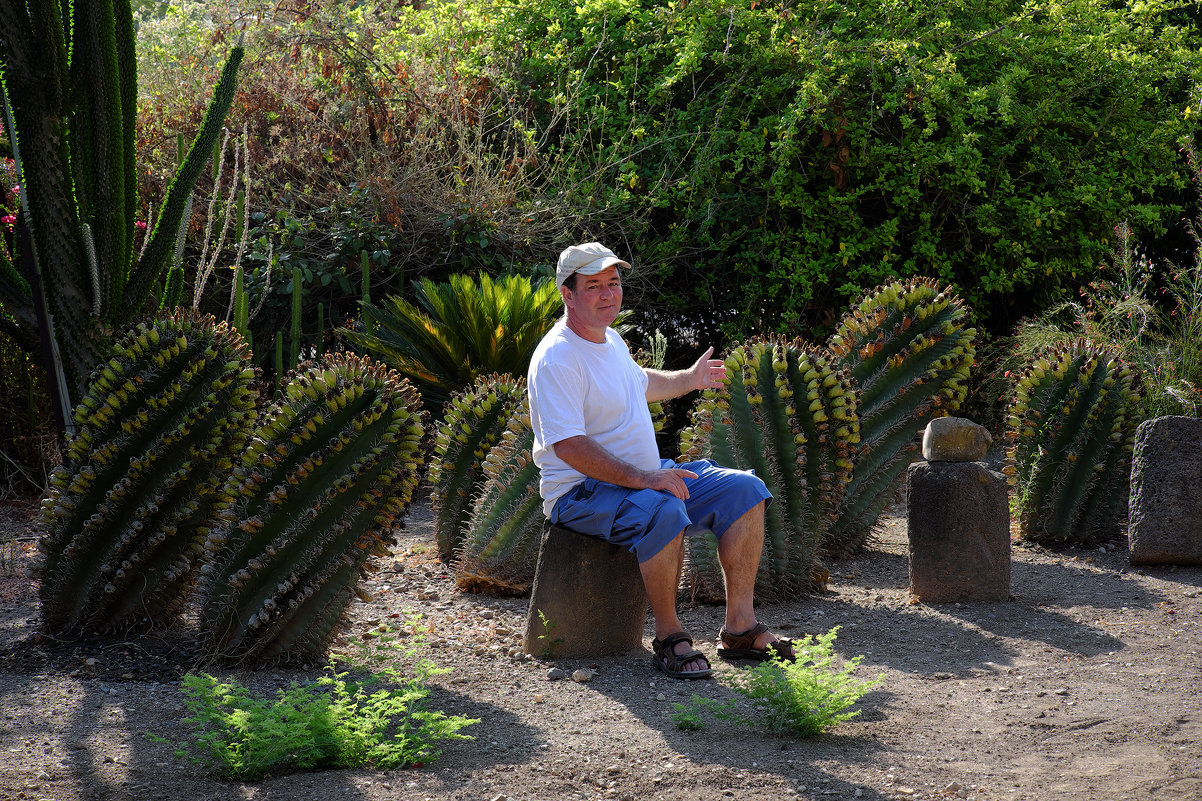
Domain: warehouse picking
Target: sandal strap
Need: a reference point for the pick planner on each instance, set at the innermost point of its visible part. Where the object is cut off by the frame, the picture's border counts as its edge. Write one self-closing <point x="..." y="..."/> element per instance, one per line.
<point x="744" y="640"/>
<point x="665" y="650"/>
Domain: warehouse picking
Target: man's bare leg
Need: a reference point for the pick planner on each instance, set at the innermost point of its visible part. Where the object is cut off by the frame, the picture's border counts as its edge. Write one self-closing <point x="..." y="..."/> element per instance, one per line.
<point x="661" y="579"/>
<point x="739" y="554"/>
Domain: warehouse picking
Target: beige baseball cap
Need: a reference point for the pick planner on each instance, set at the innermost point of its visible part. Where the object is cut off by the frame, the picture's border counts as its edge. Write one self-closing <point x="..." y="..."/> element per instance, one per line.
<point x="587" y="259"/>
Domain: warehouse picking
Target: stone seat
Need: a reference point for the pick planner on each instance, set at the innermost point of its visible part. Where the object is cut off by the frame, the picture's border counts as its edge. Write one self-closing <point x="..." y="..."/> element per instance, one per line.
<point x="587" y="600"/>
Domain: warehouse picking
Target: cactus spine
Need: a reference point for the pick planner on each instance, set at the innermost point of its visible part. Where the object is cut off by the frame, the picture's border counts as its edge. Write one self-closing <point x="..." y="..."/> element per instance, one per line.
<point x="157" y="434"/>
<point x="500" y="550"/>
<point x="910" y="354"/>
<point x="329" y="469"/>
<point x="790" y="414"/>
<point x="473" y="421"/>
<point x="1070" y="435"/>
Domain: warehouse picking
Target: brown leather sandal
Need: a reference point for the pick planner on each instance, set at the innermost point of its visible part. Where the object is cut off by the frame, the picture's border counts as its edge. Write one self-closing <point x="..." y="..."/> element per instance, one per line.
<point x="742" y="646"/>
<point x="672" y="664"/>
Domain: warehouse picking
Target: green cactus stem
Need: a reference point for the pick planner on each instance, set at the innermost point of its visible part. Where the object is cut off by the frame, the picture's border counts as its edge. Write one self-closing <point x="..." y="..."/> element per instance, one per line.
<point x="788" y="413"/>
<point x="910" y="354"/>
<point x="1070" y="434"/>
<point x="332" y="465"/>
<point x="500" y="550"/>
<point x="473" y="421"/>
<point x="127" y="514"/>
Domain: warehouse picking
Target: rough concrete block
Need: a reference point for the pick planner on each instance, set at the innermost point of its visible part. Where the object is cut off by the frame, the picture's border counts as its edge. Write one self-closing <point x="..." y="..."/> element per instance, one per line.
<point x="955" y="439"/>
<point x="959" y="530"/>
<point x="591" y="595"/>
<point x="1165" y="506"/>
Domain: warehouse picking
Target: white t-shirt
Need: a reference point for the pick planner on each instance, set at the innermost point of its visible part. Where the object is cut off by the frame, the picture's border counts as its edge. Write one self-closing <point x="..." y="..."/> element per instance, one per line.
<point x="586" y="388"/>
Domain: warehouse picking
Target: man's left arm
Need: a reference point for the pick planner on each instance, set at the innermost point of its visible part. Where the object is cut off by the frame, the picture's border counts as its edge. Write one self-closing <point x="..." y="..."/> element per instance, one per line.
<point x="706" y="373"/>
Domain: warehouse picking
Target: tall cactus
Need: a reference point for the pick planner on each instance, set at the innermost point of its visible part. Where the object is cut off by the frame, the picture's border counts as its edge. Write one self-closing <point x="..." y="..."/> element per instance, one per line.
<point x="329" y="469"/>
<point x="500" y="549"/>
<point x="68" y="74"/>
<point x="910" y="354"/>
<point x="473" y="421"/>
<point x="790" y="414"/>
<point x="1070" y="435"/>
<point x="127" y="515"/>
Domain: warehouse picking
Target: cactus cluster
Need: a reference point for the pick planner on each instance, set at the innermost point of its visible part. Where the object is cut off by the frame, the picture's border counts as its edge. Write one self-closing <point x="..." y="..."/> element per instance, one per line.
<point x="790" y="414"/>
<point x="500" y="550"/>
<point x="1070" y="434"/>
<point x="128" y="512"/>
<point x="328" y="470"/>
<point x="910" y="354"/>
<point x="473" y="421"/>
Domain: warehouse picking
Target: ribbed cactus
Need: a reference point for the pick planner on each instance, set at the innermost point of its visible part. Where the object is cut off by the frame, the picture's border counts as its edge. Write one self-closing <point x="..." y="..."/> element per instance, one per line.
<point x="790" y="414"/>
<point x="473" y="421"/>
<point x="500" y="549"/>
<point x="127" y="514"/>
<point x="327" y="472"/>
<point x="1070" y="435"/>
<point x="910" y="354"/>
<point x="69" y="72"/>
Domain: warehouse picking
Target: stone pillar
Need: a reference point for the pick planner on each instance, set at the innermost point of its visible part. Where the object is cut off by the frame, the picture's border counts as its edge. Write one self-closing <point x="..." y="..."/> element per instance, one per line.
<point x="958" y="518"/>
<point x="1165" y="506"/>
<point x="589" y="592"/>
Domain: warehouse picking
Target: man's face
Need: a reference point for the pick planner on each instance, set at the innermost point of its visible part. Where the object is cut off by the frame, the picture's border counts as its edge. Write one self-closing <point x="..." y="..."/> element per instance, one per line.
<point x="597" y="299"/>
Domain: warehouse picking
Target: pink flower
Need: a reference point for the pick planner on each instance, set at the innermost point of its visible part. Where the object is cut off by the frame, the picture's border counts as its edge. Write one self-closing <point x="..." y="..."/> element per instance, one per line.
<point x="140" y="225"/>
<point x="16" y="190"/>
<point x="8" y="219"/>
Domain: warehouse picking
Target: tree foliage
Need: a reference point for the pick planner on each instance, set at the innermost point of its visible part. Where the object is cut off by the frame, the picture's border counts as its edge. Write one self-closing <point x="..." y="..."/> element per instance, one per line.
<point x="781" y="158"/>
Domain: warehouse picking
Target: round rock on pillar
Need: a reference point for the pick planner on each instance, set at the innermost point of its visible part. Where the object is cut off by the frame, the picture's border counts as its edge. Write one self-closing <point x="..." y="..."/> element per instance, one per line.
<point x="587" y="600"/>
<point x="958" y="518"/>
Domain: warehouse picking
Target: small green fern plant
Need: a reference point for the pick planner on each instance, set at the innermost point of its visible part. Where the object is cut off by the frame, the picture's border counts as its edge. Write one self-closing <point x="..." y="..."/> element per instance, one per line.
<point x="801" y="698"/>
<point x="366" y="716"/>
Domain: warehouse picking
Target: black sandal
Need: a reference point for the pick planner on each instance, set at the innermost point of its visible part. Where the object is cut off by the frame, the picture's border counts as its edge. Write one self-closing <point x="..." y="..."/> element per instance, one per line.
<point x="742" y="646"/>
<point x="672" y="664"/>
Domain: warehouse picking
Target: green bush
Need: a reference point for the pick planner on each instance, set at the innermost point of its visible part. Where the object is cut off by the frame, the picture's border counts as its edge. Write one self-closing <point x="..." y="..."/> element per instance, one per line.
<point x="802" y="698"/>
<point x="780" y="159"/>
<point x="361" y="717"/>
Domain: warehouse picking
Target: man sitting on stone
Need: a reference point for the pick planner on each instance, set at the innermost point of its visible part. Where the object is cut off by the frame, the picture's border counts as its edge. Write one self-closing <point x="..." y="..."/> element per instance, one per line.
<point x="601" y="473"/>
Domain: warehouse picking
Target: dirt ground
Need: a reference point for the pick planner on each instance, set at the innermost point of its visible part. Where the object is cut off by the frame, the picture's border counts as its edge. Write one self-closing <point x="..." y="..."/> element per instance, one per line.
<point x="1084" y="686"/>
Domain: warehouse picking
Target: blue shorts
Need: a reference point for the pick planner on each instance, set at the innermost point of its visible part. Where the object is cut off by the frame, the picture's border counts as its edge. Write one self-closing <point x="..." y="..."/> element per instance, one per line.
<point x="644" y="521"/>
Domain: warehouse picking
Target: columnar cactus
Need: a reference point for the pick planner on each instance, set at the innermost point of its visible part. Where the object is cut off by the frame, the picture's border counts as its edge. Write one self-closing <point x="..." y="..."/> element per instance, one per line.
<point x="910" y="354"/>
<point x="127" y="514"/>
<point x="790" y="414"/>
<point x="329" y="469"/>
<point x="500" y="550"/>
<point x="1070" y="435"/>
<point x="472" y="423"/>
<point x="69" y="75"/>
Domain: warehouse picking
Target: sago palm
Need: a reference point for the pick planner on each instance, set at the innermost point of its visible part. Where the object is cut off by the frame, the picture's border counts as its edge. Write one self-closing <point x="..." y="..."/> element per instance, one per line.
<point x="459" y="330"/>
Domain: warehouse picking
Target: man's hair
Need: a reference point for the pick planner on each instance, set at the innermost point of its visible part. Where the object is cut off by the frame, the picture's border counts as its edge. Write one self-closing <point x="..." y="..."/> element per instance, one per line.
<point x="570" y="282"/>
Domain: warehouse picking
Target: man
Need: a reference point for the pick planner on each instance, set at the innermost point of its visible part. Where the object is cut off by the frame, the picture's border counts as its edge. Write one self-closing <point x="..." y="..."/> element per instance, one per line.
<point x="601" y="474"/>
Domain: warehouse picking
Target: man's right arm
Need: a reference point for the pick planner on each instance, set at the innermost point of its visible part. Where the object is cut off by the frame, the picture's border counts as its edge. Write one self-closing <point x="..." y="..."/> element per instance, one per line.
<point x="584" y="455"/>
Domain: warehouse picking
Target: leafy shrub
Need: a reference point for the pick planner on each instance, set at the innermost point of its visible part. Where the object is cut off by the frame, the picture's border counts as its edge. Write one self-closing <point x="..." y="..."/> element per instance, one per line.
<point x="1148" y="313"/>
<point x="778" y="159"/>
<point x="459" y="330"/>
<point x="360" y="717"/>
<point x="802" y="698"/>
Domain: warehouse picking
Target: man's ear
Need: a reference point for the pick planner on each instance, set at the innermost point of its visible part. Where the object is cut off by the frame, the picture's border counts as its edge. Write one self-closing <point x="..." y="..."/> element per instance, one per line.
<point x="566" y="294"/>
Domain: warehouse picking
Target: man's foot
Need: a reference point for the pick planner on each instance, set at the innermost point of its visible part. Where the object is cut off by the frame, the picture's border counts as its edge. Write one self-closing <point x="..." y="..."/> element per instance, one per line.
<point x="676" y="657"/>
<point x="756" y="643"/>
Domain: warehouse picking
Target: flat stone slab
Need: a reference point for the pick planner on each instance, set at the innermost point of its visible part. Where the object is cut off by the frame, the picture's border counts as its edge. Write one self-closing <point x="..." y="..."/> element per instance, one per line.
<point x="959" y="529"/>
<point x="955" y="439"/>
<point x="1165" y="506"/>
<point x="588" y="598"/>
